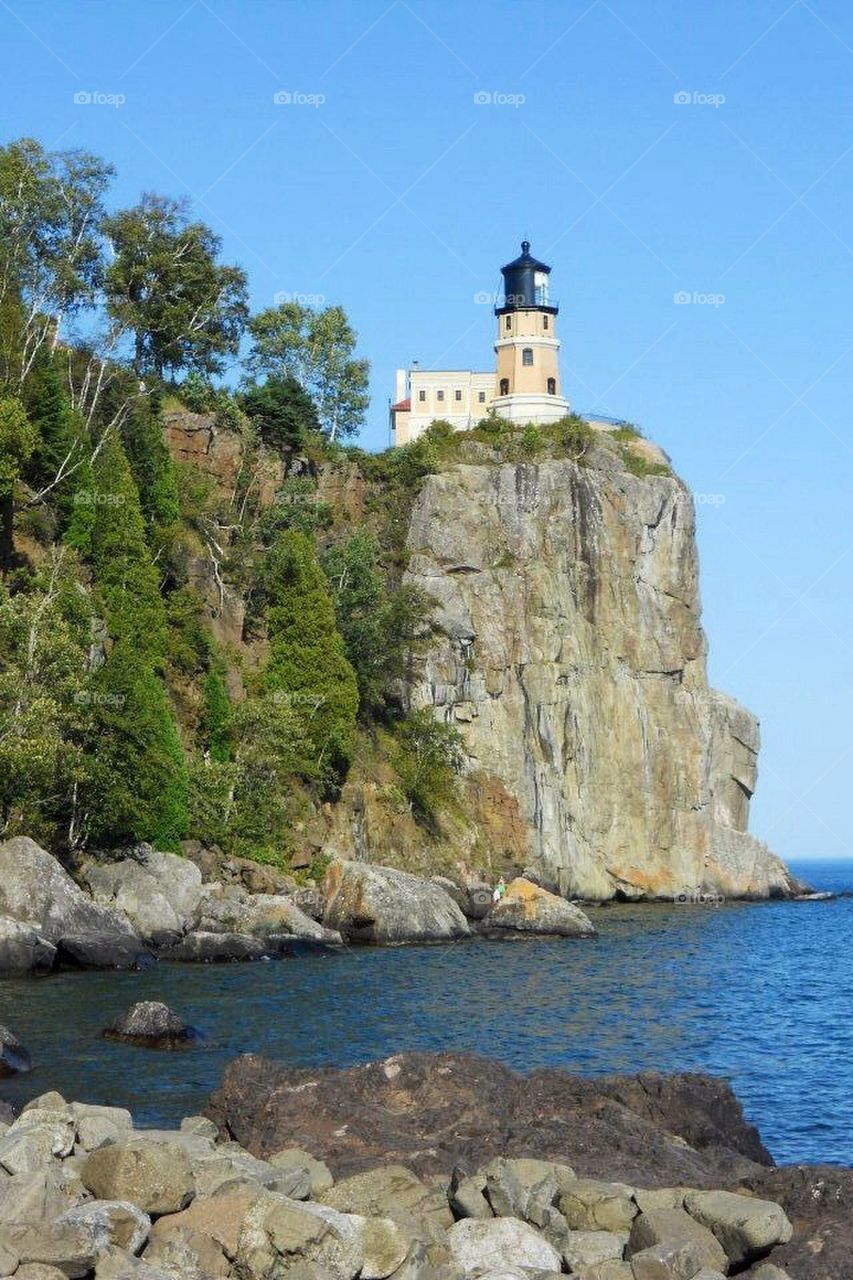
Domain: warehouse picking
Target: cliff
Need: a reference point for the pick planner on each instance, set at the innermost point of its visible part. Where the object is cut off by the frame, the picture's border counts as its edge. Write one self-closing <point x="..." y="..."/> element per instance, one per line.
<point x="571" y="656"/>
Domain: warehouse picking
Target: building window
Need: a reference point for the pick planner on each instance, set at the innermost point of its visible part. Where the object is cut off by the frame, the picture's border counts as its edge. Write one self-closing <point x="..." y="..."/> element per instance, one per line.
<point x="527" y="356"/>
<point x="422" y="396"/>
<point x="508" y="323"/>
<point x="458" y="395"/>
<point x="504" y="386"/>
<point x="481" y="396"/>
<point x="552" y="386"/>
<point x="439" y="395"/>
<point x="545" y="322"/>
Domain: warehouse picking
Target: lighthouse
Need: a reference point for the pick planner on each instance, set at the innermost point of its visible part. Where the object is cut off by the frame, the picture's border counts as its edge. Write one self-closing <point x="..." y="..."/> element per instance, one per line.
<point x="525" y="384"/>
<point x="527" y="349"/>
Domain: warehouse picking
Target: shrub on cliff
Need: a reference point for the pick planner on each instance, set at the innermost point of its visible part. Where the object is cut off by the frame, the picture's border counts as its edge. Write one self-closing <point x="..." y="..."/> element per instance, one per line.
<point x="307" y="667"/>
<point x="428" y="756"/>
<point x="282" y="411"/>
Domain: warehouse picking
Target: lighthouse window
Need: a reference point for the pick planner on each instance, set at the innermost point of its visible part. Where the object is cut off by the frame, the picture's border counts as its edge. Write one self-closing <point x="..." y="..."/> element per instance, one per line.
<point x="544" y="322"/>
<point x="481" y="396"/>
<point x="458" y="395"/>
<point x="508" y="323"/>
<point x="504" y="386"/>
<point x="439" y="395"/>
<point x="552" y="386"/>
<point x="527" y="355"/>
<point x="422" y="396"/>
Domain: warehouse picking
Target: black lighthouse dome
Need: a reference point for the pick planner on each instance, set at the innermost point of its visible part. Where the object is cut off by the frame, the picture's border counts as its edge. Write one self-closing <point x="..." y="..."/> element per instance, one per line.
<point x="526" y="284"/>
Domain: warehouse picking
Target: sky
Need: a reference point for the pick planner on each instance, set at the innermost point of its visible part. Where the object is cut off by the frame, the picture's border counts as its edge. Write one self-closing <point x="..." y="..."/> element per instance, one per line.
<point x="686" y="169"/>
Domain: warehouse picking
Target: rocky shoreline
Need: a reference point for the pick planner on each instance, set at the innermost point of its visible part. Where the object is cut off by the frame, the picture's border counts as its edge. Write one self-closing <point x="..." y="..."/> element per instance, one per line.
<point x="419" y="1167"/>
<point x="142" y="904"/>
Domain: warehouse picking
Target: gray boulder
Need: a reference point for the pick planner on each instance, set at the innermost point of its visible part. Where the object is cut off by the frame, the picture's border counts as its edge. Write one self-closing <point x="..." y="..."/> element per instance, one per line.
<point x="747" y="1228"/>
<point x="41" y="1195"/>
<point x="153" y="1025"/>
<point x="103" y="950"/>
<point x="374" y="904"/>
<point x="668" y="1261"/>
<point x="583" y="1249"/>
<point x="674" y="1226"/>
<point x="69" y="1248"/>
<point x="590" y="1205"/>
<point x="476" y="1245"/>
<point x="158" y="892"/>
<point x="155" y="1176"/>
<point x="23" y="949"/>
<point x="281" y="1237"/>
<point x="14" y="1058"/>
<point x="110" y="1222"/>
<point x="527" y="908"/>
<point x="35" y="890"/>
<point x="216" y="948"/>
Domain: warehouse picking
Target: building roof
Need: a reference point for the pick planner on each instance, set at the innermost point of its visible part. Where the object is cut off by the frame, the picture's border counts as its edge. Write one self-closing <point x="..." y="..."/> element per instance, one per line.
<point x="525" y="259"/>
<point x="402" y="405"/>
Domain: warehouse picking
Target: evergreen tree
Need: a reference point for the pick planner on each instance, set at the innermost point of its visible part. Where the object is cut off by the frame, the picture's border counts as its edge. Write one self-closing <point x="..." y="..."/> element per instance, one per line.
<point x="18" y="439"/>
<point x="59" y="447"/>
<point x="307" y="668"/>
<point x="282" y="411"/>
<point x="218" y="717"/>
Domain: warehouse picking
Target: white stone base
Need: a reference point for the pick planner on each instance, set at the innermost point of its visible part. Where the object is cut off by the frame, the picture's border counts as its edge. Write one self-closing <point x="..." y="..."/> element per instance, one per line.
<point x="530" y="406"/>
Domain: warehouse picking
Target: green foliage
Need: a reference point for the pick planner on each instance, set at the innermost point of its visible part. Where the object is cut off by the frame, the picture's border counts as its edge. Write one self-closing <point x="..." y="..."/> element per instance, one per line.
<point x="59" y="448"/>
<point x="18" y="439"/>
<point x="44" y="638"/>
<point x="152" y="467"/>
<point x="307" y="668"/>
<point x="217" y="723"/>
<point x="380" y="626"/>
<point x="283" y="412"/>
<point x="200" y="396"/>
<point x="189" y="642"/>
<point x="428" y="756"/>
<point x="574" y="436"/>
<point x="165" y="286"/>
<point x="640" y="466"/>
<point x="531" y="440"/>
<point x="81" y="520"/>
<point x="137" y="783"/>
<point x="316" y="348"/>
<point x="296" y="507"/>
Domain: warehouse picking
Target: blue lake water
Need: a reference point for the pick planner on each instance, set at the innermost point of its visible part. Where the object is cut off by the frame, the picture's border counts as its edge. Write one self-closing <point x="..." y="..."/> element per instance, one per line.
<point x="760" y="993"/>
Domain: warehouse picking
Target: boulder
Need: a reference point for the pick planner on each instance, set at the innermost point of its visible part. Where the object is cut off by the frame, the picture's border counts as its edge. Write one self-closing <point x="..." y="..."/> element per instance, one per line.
<point x="155" y="1176"/>
<point x="97" y="1126"/>
<point x="115" y="1264"/>
<point x="23" y="949"/>
<point x="103" y="950"/>
<point x="525" y="1188"/>
<point x="319" y="1176"/>
<point x="229" y="1167"/>
<point x="392" y="1191"/>
<point x="675" y="1226"/>
<point x="467" y="1195"/>
<point x="386" y="1245"/>
<point x="280" y="1237"/>
<point x="35" y="890"/>
<point x="40" y="1195"/>
<point x="110" y="1222"/>
<point x="747" y="1228"/>
<point x="158" y="892"/>
<point x="14" y="1058"/>
<point x="527" y="908"/>
<point x="69" y="1248"/>
<point x="478" y="900"/>
<point x="668" y="1262"/>
<point x="309" y="898"/>
<point x="271" y="915"/>
<point x="216" y="948"/>
<point x="39" y="1271"/>
<point x="36" y="1138"/>
<point x="590" y="1205"/>
<point x="818" y="1200"/>
<point x="152" y="1025"/>
<point x="185" y="1254"/>
<point x="220" y="1217"/>
<point x="590" y="1248"/>
<point x="476" y="1244"/>
<point x="368" y="903"/>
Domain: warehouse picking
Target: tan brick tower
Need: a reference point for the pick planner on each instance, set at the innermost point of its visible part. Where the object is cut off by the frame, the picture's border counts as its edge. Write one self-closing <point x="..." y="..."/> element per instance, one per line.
<point x="527" y="346"/>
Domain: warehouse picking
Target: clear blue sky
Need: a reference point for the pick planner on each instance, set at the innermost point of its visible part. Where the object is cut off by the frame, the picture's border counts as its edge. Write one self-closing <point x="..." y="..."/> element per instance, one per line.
<point x="396" y="193"/>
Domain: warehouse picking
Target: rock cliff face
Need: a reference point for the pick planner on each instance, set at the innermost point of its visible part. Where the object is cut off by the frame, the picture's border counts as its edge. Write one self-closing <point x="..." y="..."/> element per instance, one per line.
<point x="571" y="657"/>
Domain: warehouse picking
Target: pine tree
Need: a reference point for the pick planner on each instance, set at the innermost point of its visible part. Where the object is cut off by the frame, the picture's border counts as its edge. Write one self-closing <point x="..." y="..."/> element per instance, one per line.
<point x="218" y="717"/>
<point x="307" y="668"/>
<point x="58" y="438"/>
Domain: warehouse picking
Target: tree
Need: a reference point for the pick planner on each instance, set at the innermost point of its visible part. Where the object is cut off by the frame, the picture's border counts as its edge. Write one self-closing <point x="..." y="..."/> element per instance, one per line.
<point x="59" y="444"/>
<point x="18" y="439"/>
<point x="307" y="670"/>
<point x="217" y="722"/>
<point x="51" y="248"/>
<point x="380" y="626"/>
<point x="428" y="757"/>
<point x="282" y="411"/>
<point x="165" y="286"/>
<point x="316" y="348"/>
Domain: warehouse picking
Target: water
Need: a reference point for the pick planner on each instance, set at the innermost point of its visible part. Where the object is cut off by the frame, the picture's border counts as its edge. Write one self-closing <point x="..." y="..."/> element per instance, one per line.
<point x="760" y="993"/>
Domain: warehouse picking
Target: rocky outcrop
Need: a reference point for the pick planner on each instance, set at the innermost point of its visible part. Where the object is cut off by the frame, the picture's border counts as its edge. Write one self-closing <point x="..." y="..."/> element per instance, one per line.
<point x="156" y="891"/>
<point x="193" y="1204"/>
<point x="527" y="909"/>
<point x="572" y="660"/>
<point x="14" y="1058"/>
<point x="375" y="904"/>
<point x="439" y="1111"/>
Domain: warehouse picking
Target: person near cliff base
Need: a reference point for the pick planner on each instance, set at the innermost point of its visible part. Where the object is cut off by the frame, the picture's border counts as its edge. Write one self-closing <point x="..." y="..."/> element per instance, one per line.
<point x="499" y="890"/>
